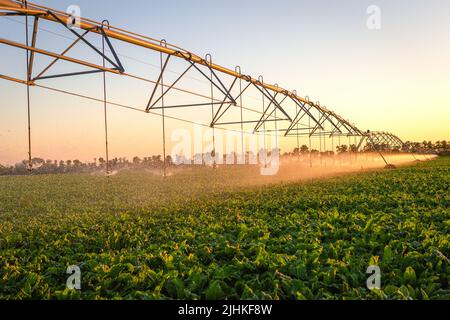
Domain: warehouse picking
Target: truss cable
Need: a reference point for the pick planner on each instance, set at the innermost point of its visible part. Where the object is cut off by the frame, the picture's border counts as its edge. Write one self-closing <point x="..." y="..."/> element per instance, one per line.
<point x="276" y="125"/>
<point x="110" y="27"/>
<point x="332" y="147"/>
<point x="128" y="36"/>
<point x="121" y="55"/>
<point x="325" y="149"/>
<point x="298" y="137"/>
<point x="30" y="161"/>
<point x="350" y="149"/>
<point x="298" y="145"/>
<point x="187" y="91"/>
<point x="276" y="130"/>
<point x="136" y="41"/>
<point x="104" y="102"/>
<point x="310" y="150"/>
<point x="129" y="107"/>
<point x="136" y="59"/>
<point x="261" y="79"/>
<point x="163" y="110"/>
<point x="339" y="148"/>
<point x="369" y="138"/>
<point x="149" y="64"/>
<point x="213" y="152"/>
<point x="320" y="147"/>
<point x="243" y="156"/>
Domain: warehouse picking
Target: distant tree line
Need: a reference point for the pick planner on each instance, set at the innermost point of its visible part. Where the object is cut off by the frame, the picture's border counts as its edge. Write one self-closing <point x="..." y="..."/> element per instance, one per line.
<point x="304" y="150"/>
<point x="41" y="166"/>
<point x="439" y="147"/>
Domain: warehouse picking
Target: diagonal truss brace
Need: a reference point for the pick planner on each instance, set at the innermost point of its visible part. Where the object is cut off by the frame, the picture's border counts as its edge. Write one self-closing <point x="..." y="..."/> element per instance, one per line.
<point x="117" y="64"/>
<point x="226" y="92"/>
<point x="298" y="118"/>
<point x="217" y="116"/>
<point x="325" y="117"/>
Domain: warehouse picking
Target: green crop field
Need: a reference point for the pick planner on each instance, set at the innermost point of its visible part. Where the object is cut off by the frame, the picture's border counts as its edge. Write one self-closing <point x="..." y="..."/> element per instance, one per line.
<point x="199" y="236"/>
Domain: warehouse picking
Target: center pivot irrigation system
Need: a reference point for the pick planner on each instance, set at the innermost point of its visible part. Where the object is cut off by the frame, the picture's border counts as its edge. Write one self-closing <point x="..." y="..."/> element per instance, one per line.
<point x="279" y="112"/>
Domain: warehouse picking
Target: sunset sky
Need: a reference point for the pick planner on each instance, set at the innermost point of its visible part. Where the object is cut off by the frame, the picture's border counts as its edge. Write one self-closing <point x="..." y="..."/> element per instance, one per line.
<point x="395" y="79"/>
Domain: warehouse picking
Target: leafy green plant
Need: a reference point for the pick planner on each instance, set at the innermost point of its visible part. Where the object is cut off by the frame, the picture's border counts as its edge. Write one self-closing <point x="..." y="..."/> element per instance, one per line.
<point x="201" y="235"/>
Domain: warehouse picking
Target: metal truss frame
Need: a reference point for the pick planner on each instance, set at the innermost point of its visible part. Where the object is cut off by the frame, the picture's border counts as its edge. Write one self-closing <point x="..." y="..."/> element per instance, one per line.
<point x="270" y="92"/>
<point x="321" y="120"/>
<point x="379" y="140"/>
